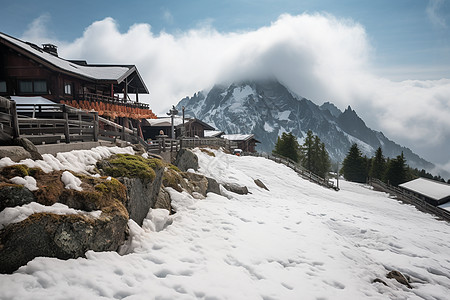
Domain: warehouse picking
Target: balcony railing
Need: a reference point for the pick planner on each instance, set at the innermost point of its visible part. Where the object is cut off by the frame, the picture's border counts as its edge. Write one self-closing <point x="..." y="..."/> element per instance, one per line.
<point x="111" y="106"/>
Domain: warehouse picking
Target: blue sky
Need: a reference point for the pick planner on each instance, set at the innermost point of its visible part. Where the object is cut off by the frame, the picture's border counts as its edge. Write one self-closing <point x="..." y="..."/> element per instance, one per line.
<point x="409" y="37"/>
<point x="388" y="59"/>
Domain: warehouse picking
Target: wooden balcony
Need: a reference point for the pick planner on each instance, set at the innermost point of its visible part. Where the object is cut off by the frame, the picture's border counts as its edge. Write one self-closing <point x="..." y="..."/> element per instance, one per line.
<point x="112" y="107"/>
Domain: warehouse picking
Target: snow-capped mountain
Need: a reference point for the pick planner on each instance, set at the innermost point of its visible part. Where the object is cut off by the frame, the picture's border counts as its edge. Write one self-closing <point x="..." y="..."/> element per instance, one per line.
<point x="267" y="109"/>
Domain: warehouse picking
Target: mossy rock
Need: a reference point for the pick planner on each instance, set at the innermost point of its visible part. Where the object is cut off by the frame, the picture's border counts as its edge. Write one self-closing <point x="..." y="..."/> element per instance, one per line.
<point x="131" y="166"/>
<point x="15" y="170"/>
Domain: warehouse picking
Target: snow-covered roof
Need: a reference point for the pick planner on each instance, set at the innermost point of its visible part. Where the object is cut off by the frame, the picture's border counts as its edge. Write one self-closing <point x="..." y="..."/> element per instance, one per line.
<point x="213" y="133"/>
<point x="238" y="137"/>
<point x="31" y="100"/>
<point x="165" y="121"/>
<point x="430" y="188"/>
<point x="97" y="72"/>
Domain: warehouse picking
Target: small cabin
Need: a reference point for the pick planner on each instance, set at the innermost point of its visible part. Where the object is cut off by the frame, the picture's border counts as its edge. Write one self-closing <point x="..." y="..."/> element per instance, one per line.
<point x="434" y="192"/>
<point x="245" y="142"/>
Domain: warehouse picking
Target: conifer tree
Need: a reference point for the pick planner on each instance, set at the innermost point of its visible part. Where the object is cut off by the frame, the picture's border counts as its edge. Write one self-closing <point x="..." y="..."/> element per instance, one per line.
<point x="354" y="165"/>
<point x="315" y="157"/>
<point x="287" y="146"/>
<point x="378" y="165"/>
<point x="396" y="170"/>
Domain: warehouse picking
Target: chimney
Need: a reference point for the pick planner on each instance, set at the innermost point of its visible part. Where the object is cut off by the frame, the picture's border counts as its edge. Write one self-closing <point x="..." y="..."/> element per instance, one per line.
<point x="50" y="48"/>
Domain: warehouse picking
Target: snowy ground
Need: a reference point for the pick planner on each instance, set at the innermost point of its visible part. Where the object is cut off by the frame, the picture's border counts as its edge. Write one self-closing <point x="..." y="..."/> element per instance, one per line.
<point x="296" y="241"/>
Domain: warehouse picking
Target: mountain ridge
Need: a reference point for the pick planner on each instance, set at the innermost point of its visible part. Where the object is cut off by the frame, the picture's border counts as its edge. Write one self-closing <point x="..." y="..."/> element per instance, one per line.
<point x="267" y="108"/>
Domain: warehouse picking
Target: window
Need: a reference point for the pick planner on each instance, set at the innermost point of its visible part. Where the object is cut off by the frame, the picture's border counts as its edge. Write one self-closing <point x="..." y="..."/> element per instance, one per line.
<point x="25" y="86"/>
<point x="68" y="89"/>
<point x="3" y="87"/>
<point x="40" y="86"/>
<point x="30" y="86"/>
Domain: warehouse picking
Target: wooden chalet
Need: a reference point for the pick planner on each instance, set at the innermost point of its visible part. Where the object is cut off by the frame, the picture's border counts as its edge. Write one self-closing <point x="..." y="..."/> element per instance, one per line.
<point x="245" y="142"/>
<point x="29" y="70"/>
<point x="191" y="128"/>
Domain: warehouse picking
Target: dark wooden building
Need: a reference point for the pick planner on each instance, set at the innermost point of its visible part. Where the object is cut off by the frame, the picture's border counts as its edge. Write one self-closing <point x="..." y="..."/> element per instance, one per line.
<point x="191" y="128"/>
<point x="29" y="70"/>
<point x="245" y="142"/>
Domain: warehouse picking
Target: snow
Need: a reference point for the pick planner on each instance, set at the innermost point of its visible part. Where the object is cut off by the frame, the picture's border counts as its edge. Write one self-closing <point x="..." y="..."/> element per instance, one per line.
<point x="240" y="94"/>
<point x="212" y="133"/>
<point x="268" y="128"/>
<point x="431" y="188"/>
<point x="19" y="213"/>
<point x="237" y="137"/>
<point x="71" y="181"/>
<point x="296" y="241"/>
<point x="79" y="161"/>
<point x="28" y="181"/>
<point x="445" y="206"/>
<point x="284" y="115"/>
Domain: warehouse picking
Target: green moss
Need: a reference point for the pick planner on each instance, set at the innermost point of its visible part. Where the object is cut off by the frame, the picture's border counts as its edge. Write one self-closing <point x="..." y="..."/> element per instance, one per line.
<point x="173" y="167"/>
<point x="172" y="179"/>
<point x="35" y="171"/>
<point x="125" y="165"/>
<point x="15" y="170"/>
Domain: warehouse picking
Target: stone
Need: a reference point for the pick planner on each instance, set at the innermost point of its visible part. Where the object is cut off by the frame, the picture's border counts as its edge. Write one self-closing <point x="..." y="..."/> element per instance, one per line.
<point x="60" y="236"/>
<point x="28" y="146"/>
<point x="236" y="188"/>
<point x="16" y="153"/>
<point x="399" y="277"/>
<point x="163" y="200"/>
<point x="213" y="186"/>
<point x="186" y="160"/>
<point x="260" y="184"/>
<point x="139" y="149"/>
<point x="378" y="280"/>
<point x="14" y="195"/>
<point x="142" y="195"/>
<point x="196" y="183"/>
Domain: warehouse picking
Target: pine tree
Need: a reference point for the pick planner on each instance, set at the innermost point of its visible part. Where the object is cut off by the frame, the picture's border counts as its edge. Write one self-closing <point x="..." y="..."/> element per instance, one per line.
<point x="287" y="146"/>
<point x="378" y="165"/>
<point x="396" y="171"/>
<point x="354" y="165"/>
<point x="315" y="157"/>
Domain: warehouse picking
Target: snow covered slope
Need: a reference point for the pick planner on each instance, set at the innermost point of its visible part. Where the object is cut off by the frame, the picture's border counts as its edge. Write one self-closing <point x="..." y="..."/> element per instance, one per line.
<point x="267" y="109"/>
<point x="296" y="241"/>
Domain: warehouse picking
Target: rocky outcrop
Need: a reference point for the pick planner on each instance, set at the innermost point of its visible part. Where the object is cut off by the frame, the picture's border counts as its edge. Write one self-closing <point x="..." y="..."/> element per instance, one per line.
<point x="186" y="160"/>
<point x="142" y="178"/>
<point x="70" y="235"/>
<point x="399" y="277"/>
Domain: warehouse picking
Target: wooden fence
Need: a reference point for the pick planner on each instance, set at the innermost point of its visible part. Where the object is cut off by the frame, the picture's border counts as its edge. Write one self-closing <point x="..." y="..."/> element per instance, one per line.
<point x="59" y="123"/>
<point x="409" y="198"/>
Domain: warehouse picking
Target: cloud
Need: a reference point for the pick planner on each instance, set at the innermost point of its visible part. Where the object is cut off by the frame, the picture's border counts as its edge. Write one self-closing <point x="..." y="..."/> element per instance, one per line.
<point x="317" y="56"/>
<point x="433" y="12"/>
<point x="37" y="29"/>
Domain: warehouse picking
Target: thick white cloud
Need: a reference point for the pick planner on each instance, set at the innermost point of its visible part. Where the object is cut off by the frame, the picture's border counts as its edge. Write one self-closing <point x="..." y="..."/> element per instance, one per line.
<point x="317" y="56"/>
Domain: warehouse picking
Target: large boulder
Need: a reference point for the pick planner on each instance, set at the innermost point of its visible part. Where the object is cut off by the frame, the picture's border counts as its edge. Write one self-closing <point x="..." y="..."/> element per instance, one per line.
<point x="71" y="235"/>
<point x="186" y="160"/>
<point x="16" y="153"/>
<point x="142" y="178"/>
<point x="213" y="186"/>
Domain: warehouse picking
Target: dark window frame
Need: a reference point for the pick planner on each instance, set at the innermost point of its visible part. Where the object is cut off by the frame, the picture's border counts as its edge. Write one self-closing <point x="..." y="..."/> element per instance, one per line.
<point x="34" y="84"/>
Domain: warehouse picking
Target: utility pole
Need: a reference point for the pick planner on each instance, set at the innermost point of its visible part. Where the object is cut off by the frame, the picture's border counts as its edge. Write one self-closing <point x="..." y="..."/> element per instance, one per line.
<point x="172" y="113"/>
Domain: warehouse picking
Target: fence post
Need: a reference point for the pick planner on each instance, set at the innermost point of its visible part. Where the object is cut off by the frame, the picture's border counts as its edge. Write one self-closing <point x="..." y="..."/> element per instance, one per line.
<point x="66" y="124"/>
<point x="123" y="130"/>
<point x="96" y="129"/>
<point x="14" y="120"/>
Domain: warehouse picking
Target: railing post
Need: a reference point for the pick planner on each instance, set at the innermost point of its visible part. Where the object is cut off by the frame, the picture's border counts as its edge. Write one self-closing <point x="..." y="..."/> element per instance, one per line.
<point x="123" y="130"/>
<point x="14" y="120"/>
<point x="66" y="124"/>
<point x="96" y="127"/>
